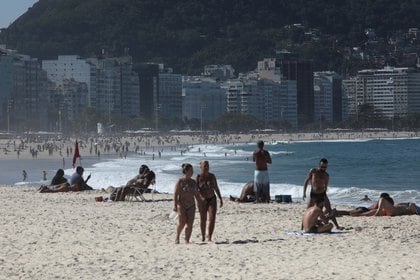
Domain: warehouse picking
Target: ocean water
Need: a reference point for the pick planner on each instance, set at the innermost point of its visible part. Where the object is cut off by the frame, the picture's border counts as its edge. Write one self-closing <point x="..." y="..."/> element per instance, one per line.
<point x="356" y="168"/>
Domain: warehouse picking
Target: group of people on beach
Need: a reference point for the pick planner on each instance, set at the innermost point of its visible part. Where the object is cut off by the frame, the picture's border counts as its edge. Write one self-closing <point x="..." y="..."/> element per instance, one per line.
<point x="59" y="183"/>
<point x="319" y="212"/>
<point x="203" y="192"/>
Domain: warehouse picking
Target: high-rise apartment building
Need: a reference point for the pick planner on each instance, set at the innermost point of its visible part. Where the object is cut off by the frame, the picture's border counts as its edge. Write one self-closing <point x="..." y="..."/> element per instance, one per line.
<point x="23" y="92"/>
<point x="294" y="69"/>
<point x="327" y="97"/>
<point x="202" y="98"/>
<point x="391" y="91"/>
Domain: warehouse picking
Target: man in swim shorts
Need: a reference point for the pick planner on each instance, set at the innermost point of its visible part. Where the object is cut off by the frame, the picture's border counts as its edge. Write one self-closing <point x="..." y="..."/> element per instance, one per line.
<point x="319" y="179"/>
<point x="261" y="158"/>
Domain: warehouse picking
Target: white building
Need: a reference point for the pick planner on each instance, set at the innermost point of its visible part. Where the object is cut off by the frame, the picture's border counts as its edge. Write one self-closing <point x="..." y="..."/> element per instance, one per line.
<point x="391" y="91"/>
<point x="266" y="99"/>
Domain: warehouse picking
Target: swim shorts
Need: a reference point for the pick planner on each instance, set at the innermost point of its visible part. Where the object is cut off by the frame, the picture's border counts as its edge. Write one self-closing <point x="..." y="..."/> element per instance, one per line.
<point x="261" y="181"/>
<point x="319" y="196"/>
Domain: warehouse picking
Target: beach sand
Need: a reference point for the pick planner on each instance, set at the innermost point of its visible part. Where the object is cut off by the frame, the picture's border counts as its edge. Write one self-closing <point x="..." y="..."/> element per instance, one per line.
<point x="71" y="236"/>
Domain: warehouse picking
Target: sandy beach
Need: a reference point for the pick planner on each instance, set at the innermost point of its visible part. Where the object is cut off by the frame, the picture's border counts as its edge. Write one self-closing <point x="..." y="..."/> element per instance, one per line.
<point x="71" y="236"/>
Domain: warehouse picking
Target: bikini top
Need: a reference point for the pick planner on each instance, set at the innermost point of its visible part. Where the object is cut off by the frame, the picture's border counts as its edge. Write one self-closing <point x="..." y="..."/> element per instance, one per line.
<point x="205" y="184"/>
<point x="187" y="185"/>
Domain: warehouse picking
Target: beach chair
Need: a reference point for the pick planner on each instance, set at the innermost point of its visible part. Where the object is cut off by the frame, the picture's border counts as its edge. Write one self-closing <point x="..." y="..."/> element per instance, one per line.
<point x="137" y="194"/>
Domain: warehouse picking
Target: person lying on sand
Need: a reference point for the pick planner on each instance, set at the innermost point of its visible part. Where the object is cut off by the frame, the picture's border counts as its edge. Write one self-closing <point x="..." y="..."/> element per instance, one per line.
<point x="247" y="193"/>
<point x="385" y="208"/>
<point x="365" y="211"/>
<point x="315" y="220"/>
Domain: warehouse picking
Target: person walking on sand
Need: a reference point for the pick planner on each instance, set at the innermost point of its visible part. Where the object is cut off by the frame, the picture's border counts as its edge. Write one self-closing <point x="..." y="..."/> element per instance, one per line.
<point x="261" y="158"/>
<point x="184" y="202"/>
<point x="208" y="189"/>
<point x="319" y="179"/>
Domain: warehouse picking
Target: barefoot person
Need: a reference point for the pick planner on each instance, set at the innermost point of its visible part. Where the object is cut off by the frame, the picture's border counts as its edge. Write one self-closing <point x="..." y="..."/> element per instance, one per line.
<point x="314" y="220"/>
<point x="184" y="202"/>
<point x="247" y="194"/>
<point x="319" y="179"/>
<point x="208" y="188"/>
<point x="261" y="180"/>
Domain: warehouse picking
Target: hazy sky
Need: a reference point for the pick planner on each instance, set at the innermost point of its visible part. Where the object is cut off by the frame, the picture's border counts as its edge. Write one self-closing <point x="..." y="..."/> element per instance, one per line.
<point x="10" y="10"/>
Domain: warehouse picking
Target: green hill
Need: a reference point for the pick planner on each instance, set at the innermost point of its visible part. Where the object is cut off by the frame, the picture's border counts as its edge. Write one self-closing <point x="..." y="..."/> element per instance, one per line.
<point x="187" y="34"/>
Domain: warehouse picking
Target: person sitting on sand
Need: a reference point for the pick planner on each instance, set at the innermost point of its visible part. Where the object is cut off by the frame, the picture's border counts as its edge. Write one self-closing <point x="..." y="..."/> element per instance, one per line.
<point x="77" y="183"/>
<point x="247" y="193"/>
<point x="184" y="203"/>
<point x="315" y="220"/>
<point x="143" y="180"/>
<point x="58" y="183"/>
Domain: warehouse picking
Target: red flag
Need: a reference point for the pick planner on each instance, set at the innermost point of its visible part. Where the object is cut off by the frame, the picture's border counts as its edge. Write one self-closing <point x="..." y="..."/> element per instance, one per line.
<point x="76" y="153"/>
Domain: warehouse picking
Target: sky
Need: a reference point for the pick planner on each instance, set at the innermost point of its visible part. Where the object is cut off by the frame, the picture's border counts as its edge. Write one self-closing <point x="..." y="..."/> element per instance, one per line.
<point x="10" y="10"/>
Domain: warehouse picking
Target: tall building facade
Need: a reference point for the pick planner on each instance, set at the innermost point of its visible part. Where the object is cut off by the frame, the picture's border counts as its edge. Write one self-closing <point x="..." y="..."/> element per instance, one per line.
<point x="148" y="89"/>
<point x="267" y="100"/>
<point x="294" y="69"/>
<point x="24" y="95"/>
<point x="170" y="94"/>
<point x="327" y="97"/>
<point x="393" y="92"/>
<point x="202" y="98"/>
<point x="116" y="87"/>
<point x="70" y="67"/>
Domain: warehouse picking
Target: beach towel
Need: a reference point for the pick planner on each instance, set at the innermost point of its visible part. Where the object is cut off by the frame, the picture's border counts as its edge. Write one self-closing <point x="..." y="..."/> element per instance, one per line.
<point x="301" y="232"/>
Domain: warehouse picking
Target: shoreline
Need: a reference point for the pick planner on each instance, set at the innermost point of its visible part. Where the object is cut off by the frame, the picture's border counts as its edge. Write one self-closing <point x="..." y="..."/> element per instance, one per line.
<point x="51" y="148"/>
<point x="70" y="235"/>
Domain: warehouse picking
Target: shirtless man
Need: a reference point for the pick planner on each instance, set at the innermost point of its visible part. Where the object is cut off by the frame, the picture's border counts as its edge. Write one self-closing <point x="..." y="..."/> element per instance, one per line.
<point x="261" y="180"/>
<point x="314" y="220"/>
<point x="247" y="194"/>
<point x="319" y="179"/>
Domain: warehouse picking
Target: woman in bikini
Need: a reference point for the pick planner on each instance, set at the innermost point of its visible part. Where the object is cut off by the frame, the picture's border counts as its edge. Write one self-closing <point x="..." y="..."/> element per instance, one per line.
<point x="208" y="188"/>
<point x="184" y="203"/>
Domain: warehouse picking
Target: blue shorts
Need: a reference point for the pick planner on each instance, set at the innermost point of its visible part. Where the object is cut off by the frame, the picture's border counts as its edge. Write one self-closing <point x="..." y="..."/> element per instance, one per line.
<point x="261" y="181"/>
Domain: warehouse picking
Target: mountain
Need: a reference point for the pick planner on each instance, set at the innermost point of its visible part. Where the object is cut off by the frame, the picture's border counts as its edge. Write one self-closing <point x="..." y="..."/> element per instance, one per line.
<point x="187" y="34"/>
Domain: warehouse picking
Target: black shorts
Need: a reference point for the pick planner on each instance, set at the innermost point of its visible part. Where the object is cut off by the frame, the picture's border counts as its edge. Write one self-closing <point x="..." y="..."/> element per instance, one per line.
<point x="319" y="196"/>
